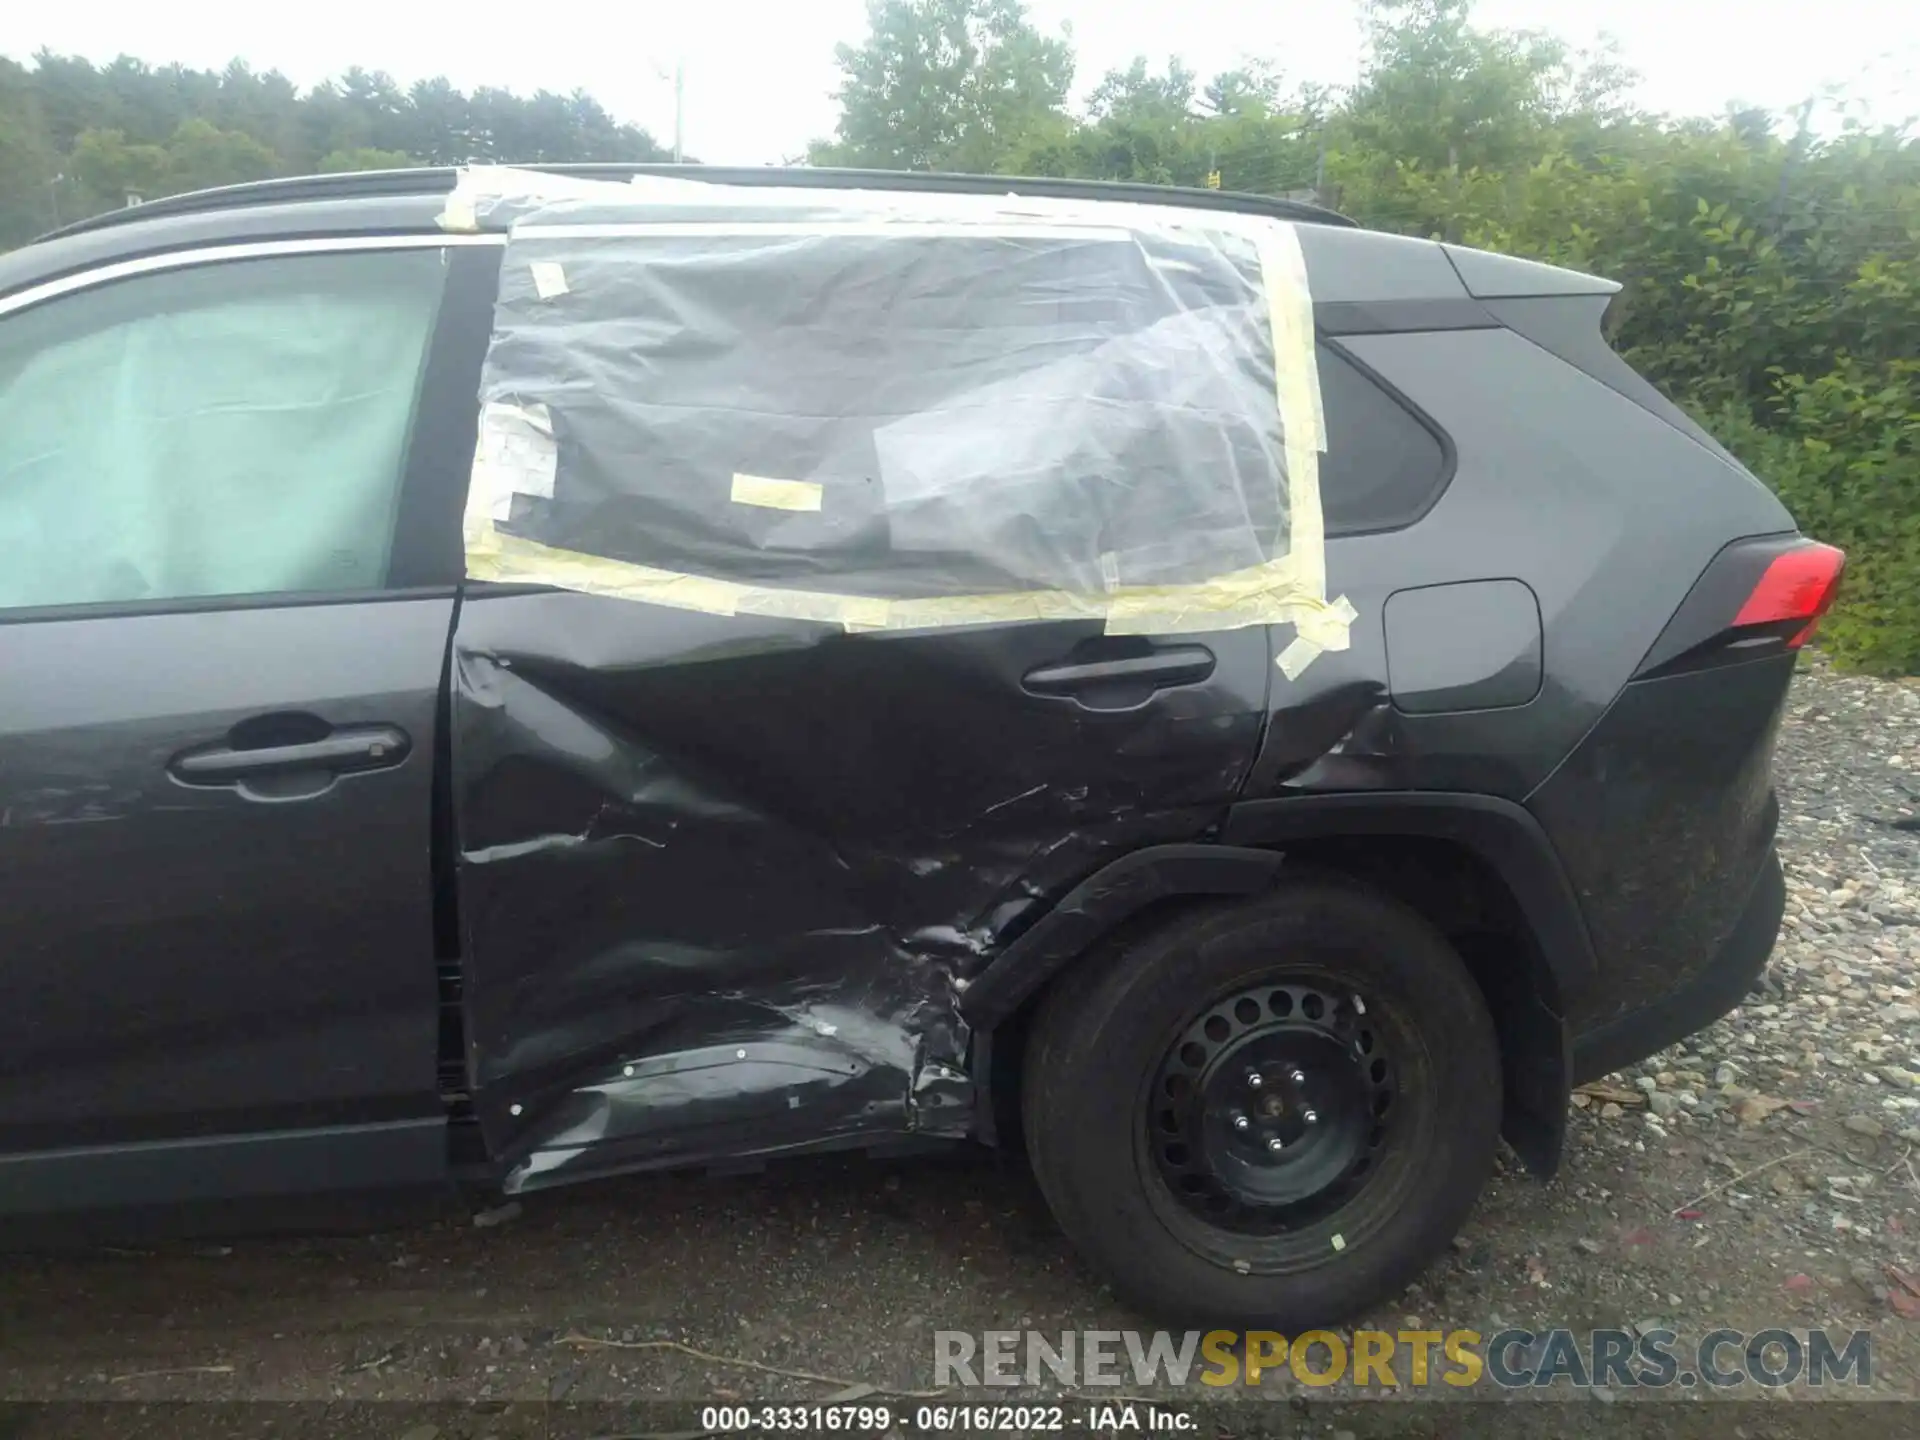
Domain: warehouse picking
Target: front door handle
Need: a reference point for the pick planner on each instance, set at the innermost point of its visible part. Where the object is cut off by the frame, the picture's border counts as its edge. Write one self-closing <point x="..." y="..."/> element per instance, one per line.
<point x="1139" y="674"/>
<point x="362" y="747"/>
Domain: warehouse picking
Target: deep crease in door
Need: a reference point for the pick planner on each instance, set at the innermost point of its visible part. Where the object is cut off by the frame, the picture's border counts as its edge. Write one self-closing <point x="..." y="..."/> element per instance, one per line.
<point x="722" y="878"/>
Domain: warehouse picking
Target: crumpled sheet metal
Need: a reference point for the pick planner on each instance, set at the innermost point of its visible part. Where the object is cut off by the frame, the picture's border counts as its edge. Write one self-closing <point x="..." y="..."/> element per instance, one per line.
<point x="709" y="912"/>
<point x="519" y="457"/>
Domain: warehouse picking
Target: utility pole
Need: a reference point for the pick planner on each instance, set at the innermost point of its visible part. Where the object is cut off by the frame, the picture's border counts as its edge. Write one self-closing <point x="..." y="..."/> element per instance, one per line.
<point x="679" y="78"/>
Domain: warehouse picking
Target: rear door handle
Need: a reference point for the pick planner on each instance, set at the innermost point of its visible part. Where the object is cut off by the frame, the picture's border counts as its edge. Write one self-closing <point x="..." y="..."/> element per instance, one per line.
<point x="1174" y="665"/>
<point x="364" y="747"/>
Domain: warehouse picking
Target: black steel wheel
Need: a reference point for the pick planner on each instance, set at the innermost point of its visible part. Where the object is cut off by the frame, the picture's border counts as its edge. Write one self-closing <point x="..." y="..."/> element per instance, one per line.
<point x="1271" y="1106"/>
<point x="1273" y="1112"/>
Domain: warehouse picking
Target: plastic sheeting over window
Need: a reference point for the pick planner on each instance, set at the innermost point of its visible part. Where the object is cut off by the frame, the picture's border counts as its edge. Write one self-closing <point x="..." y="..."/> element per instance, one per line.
<point x="231" y="428"/>
<point x="900" y="410"/>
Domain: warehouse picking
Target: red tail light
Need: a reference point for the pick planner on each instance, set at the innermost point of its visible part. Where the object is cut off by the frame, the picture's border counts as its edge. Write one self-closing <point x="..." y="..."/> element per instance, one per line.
<point x="1798" y="585"/>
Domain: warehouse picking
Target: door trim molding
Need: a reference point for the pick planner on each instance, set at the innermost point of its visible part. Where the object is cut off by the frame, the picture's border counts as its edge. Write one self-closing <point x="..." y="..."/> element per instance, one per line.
<point x="241" y="250"/>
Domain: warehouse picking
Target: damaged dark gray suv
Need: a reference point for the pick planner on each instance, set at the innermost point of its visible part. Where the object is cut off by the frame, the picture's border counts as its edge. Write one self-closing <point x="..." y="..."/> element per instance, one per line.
<point x="514" y="677"/>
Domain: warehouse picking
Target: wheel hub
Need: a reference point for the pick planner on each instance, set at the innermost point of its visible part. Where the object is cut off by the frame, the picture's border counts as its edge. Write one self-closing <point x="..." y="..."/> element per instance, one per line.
<point x="1269" y="1107"/>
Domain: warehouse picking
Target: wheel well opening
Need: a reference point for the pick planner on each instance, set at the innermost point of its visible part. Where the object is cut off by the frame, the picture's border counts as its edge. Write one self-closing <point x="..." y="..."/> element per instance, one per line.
<point x="1456" y="891"/>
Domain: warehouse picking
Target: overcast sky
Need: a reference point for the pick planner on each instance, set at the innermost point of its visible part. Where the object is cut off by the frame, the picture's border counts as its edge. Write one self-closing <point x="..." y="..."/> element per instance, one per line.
<point x="760" y="74"/>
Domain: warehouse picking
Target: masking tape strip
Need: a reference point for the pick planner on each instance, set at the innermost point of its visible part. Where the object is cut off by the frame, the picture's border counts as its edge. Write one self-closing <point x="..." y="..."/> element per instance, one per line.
<point x="1300" y="653"/>
<point x="773" y="494"/>
<point x="459" y="216"/>
<point x="1261" y="595"/>
<point x="1319" y="626"/>
<point x="1283" y="274"/>
<point x="1315" y="633"/>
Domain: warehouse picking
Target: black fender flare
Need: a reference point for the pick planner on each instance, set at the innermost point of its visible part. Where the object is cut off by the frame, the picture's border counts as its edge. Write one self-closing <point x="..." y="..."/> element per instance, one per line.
<point x="1502" y="833"/>
<point x="1249" y="858"/>
<point x="1100" y="904"/>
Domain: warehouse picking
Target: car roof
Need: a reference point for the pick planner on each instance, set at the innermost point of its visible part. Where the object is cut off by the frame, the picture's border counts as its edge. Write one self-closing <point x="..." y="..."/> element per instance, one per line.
<point x="434" y="181"/>
<point x="1346" y="261"/>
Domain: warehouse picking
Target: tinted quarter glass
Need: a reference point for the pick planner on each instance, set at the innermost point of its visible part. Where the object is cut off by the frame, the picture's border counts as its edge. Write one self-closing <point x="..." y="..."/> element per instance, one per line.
<point x="219" y="429"/>
<point x="1383" y="466"/>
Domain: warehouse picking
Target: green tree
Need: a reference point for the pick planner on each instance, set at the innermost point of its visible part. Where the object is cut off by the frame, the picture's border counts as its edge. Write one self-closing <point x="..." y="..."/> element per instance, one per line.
<point x="337" y="162"/>
<point x="201" y="155"/>
<point x="112" y="171"/>
<point x="439" y="124"/>
<point x="1438" y="93"/>
<point x="76" y="138"/>
<point x="1167" y="129"/>
<point x="29" y="163"/>
<point x="1144" y="127"/>
<point x="948" y="85"/>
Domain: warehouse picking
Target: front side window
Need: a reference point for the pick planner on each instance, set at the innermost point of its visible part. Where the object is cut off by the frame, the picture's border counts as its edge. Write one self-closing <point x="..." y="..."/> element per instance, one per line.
<point x="232" y="428"/>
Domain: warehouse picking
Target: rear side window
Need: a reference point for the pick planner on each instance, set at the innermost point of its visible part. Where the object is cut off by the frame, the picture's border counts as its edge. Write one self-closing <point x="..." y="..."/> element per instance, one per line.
<point x="231" y="428"/>
<point x="1382" y="467"/>
<point x="887" y="410"/>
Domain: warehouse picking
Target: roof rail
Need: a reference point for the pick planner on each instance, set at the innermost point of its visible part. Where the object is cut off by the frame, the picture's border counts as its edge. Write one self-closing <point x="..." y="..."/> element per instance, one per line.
<point x="437" y="179"/>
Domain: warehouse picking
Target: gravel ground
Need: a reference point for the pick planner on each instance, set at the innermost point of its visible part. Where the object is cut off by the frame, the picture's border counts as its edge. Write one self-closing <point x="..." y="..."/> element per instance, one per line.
<point x="1763" y="1174"/>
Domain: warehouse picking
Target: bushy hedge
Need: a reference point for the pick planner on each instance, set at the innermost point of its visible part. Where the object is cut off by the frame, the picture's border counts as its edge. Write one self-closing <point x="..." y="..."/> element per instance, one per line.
<point x="1772" y="286"/>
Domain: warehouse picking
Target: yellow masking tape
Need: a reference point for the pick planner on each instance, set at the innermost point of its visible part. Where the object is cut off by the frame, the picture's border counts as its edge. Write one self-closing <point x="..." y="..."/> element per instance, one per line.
<point x="459" y="214"/>
<point x="1262" y="595"/>
<point x="1300" y="653"/>
<point x="1283" y="274"/>
<point x="1315" y="632"/>
<point x="776" y="494"/>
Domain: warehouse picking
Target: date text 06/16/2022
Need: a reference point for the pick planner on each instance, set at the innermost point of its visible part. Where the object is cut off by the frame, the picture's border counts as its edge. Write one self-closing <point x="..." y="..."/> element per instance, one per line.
<point x="1099" y="1418"/>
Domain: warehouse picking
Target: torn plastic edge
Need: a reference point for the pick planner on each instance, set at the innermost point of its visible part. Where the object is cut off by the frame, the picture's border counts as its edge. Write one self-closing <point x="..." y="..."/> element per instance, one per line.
<point x="1291" y="589"/>
<point x="516" y="455"/>
<point x="478" y="188"/>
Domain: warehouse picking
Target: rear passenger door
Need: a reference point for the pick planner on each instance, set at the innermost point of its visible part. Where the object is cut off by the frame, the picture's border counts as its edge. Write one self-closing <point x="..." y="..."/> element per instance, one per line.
<point x="719" y="874"/>
<point x="224" y="611"/>
<point x="724" y="872"/>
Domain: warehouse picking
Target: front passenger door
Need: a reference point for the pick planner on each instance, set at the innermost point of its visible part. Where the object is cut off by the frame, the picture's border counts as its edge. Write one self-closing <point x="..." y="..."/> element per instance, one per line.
<point x="222" y="660"/>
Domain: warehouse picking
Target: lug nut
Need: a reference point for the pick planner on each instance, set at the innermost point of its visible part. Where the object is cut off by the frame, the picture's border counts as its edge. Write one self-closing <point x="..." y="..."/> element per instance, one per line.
<point x="1312" y="1117"/>
<point x="1255" y="1080"/>
<point x="1299" y="1077"/>
<point x="1276" y="1145"/>
<point x="1240" y="1122"/>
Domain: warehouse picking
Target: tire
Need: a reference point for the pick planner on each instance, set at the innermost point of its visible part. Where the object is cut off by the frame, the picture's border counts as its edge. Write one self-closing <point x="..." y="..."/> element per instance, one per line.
<point x="1235" y="1234"/>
